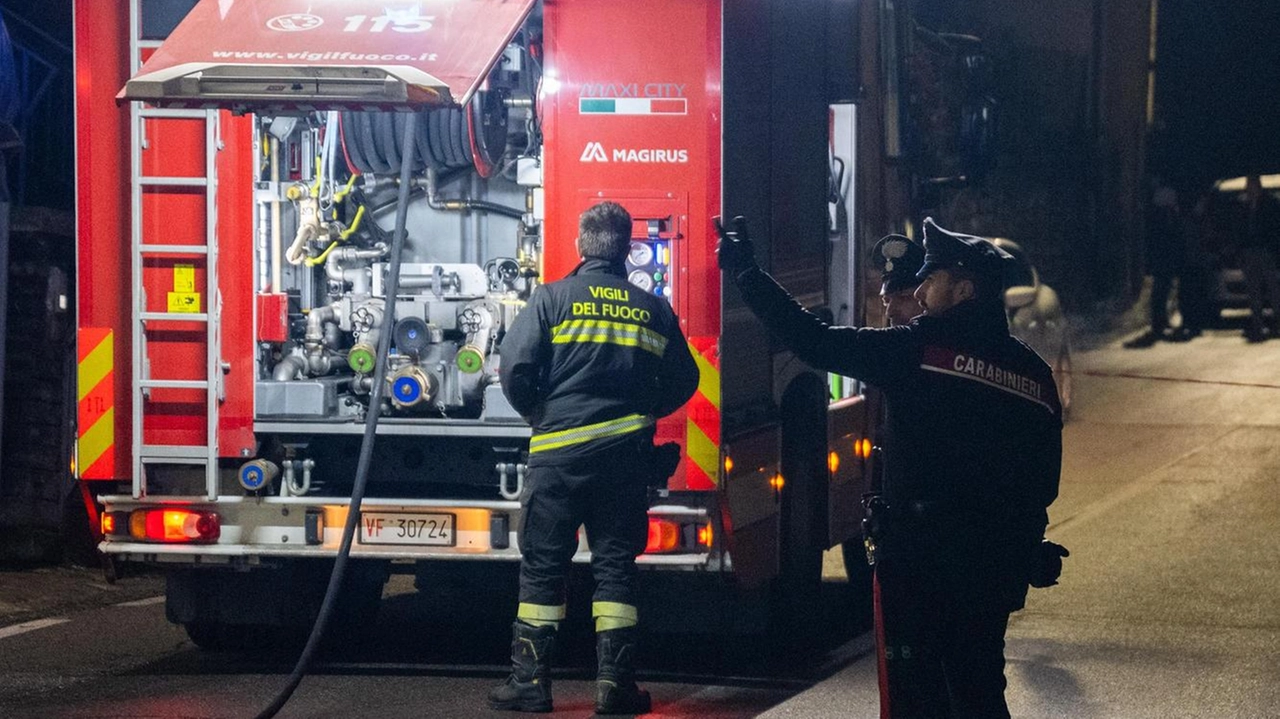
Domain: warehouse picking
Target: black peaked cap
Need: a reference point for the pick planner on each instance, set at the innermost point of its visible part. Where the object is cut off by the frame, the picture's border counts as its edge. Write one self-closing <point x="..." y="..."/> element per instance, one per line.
<point x="899" y="259"/>
<point x="944" y="249"/>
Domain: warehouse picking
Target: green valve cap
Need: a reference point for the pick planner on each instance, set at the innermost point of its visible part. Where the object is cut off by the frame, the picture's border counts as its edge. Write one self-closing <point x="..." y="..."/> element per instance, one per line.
<point x="469" y="360"/>
<point x="361" y="359"/>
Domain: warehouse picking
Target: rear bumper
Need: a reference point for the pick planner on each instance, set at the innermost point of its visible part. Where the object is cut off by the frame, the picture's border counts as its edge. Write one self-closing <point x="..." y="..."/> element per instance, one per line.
<point x="259" y="530"/>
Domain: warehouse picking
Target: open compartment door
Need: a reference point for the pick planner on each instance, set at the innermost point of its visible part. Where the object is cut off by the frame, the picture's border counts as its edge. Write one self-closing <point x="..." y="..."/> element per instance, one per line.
<point x="283" y="55"/>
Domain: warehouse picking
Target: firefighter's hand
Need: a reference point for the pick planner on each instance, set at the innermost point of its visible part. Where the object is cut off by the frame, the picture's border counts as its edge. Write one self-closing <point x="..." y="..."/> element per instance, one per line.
<point x="1048" y="564"/>
<point x="735" y="252"/>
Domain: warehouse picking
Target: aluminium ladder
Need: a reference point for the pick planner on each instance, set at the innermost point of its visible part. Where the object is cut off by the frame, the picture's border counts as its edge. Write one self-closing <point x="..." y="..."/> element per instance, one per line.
<point x="143" y="380"/>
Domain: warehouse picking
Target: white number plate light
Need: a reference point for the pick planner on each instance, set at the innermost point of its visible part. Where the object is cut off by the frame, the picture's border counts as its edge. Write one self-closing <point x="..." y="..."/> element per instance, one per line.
<point x="432" y="530"/>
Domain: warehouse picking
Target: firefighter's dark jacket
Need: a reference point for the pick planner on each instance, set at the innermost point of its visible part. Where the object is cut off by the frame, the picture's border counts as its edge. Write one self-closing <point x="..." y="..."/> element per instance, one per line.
<point x="976" y="433"/>
<point x="590" y="349"/>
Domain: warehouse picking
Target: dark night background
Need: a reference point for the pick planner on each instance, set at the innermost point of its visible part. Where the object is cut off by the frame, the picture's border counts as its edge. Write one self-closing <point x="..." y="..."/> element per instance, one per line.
<point x="1219" y="75"/>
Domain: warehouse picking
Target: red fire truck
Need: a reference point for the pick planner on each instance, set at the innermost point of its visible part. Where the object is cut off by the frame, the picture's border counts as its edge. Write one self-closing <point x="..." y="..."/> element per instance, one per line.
<point x="235" y="206"/>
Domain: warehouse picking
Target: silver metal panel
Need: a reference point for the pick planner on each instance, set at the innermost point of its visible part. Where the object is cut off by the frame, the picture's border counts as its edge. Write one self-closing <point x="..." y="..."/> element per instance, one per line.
<point x="496" y="406"/>
<point x="295" y="399"/>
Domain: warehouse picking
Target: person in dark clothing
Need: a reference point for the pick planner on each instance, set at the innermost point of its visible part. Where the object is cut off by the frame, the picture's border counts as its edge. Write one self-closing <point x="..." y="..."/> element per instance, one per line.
<point x="591" y="362"/>
<point x="1194" y="280"/>
<point x="971" y="472"/>
<point x="898" y="258"/>
<point x="1258" y="242"/>
<point x="1166" y="237"/>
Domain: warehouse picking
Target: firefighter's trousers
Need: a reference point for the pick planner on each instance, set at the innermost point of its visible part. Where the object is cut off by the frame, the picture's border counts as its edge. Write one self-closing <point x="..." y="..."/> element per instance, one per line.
<point x="941" y="655"/>
<point x="606" y="493"/>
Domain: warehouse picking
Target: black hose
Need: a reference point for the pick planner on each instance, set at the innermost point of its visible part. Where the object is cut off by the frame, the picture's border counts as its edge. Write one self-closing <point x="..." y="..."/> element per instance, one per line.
<point x="366" y="446"/>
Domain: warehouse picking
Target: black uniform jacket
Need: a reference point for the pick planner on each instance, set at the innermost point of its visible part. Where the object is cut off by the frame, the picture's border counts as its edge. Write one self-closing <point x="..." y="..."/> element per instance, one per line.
<point x="976" y="432"/>
<point x="590" y="349"/>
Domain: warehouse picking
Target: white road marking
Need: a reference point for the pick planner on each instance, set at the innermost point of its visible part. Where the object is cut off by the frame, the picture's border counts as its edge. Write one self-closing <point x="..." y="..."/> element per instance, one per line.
<point x="142" y="602"/>
<point x="30" y="626"/>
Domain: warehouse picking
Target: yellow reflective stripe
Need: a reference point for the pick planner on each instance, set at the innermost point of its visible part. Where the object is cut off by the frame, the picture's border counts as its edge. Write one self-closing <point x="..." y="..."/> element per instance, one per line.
<point x="614" y="615"/>
<point x="600" y="430"/>
<point x="604" y="331"/>
<point x="708" y="378"/>
<point x="535" y="613"/>
<point x="95" y="366"/>
<point x="96" y="440"/>
<point x="702" y="451"/>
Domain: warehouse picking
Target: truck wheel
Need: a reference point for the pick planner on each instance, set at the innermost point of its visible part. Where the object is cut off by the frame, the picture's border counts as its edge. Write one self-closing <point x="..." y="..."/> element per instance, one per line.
<point x="206" y="635"/>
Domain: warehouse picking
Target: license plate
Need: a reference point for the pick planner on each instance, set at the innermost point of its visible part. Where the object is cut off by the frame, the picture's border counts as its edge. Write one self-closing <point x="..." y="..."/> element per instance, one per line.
<point x="420" y="529"/>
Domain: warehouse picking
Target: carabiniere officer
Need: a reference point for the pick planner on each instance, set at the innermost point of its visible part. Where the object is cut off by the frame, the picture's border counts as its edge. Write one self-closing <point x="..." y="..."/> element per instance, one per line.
<point x="973" y="467"/>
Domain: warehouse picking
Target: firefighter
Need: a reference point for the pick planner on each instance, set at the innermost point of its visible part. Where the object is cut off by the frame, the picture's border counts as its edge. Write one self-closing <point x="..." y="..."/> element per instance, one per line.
<point x="977" y="445"/>
<point x="591" y="362"/>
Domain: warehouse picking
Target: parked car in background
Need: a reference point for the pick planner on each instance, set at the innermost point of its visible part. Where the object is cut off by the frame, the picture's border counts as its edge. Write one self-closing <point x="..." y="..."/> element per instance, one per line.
<point x="1035" y="317"/>
<point x="1227" y="287"/>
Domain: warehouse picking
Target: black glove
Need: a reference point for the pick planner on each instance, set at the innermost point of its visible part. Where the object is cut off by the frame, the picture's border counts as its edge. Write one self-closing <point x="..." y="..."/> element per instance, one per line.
<point x="1048" y="564"/>
<point x="666" y="457"/>
<point x="735" y="252"/>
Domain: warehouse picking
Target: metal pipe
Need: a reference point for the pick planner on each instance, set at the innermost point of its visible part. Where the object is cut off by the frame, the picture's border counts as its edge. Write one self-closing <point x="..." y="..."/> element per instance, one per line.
<point x="358" y="278"/>
<point x="318" y="359"/>
<point x="290" y="368"/>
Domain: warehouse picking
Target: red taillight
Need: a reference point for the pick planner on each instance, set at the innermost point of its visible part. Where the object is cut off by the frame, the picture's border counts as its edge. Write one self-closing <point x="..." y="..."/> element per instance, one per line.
<point x="175" y="525"/>
<point x="706" y="536"/>
<point x="108" y="523"/>
<point x="664" y="536"/>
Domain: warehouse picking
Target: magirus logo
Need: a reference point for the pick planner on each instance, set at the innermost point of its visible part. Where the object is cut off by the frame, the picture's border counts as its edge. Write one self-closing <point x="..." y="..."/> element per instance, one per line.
<point x="595" y="152"/>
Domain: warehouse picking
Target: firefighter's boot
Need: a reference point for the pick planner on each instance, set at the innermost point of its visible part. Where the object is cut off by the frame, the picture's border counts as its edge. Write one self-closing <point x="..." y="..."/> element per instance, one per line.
<point x="528" y="689"/>
<point x="616" y="690"/>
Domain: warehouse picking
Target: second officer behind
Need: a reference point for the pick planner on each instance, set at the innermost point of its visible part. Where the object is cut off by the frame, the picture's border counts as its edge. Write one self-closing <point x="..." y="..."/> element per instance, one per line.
<point x="591" y="362"/>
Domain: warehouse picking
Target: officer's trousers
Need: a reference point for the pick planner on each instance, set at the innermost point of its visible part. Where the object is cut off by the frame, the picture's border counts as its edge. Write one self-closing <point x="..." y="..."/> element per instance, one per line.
<point x="941" y="653"/>
<point x="604" y="492"/>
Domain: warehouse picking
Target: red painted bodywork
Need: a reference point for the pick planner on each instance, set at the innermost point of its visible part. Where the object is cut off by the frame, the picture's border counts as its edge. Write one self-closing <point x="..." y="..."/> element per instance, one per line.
<point x="444" y="46"/>
<point x="639" y="51"/>
<point x="170" y="216"/>
<point x="102" y="196"/>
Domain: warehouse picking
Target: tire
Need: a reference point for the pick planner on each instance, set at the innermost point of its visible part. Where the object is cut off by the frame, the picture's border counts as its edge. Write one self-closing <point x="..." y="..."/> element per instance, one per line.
<point x="205" y="635"/>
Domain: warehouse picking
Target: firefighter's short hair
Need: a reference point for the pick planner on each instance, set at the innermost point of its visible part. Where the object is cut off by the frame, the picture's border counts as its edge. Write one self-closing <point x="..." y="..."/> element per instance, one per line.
<point x="604" y="232"/>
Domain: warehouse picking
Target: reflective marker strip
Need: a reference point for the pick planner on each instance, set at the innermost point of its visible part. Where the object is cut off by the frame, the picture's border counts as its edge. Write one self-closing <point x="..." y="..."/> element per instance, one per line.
<point x="95" y="390"/>
<point x="578" y="435"/>
<point x="30" y="627"/>
<point x="702" y="418"/>
<point x="541" y="612"/>
<point x="603" y="331"/>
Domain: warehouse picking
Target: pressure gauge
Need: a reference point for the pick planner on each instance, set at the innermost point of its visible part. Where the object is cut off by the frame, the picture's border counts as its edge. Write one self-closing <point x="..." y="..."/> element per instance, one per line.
<point x="641" y="254"/>
<point x="641" y="279"/>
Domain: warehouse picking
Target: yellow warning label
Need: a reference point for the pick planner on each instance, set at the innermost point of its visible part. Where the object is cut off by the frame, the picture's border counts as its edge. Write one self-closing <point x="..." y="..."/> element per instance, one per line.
<point x="184" y="301"/>
<point x="184" y="279"/>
